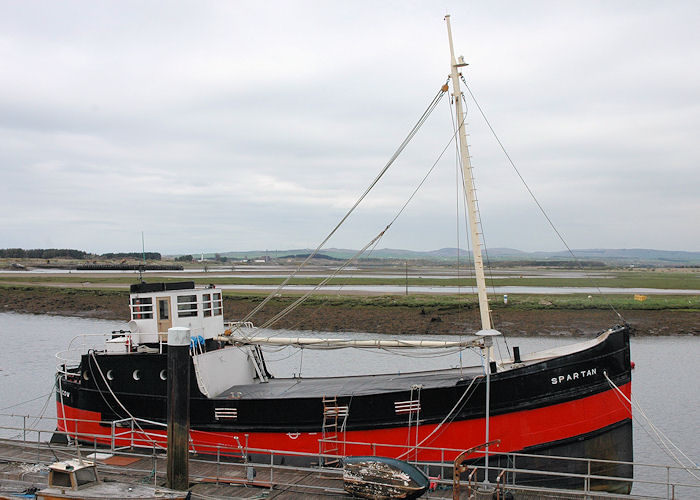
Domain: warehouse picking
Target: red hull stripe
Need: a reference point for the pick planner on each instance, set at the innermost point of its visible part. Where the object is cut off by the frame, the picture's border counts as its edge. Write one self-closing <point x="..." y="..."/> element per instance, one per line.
<point x="516" y="430"/>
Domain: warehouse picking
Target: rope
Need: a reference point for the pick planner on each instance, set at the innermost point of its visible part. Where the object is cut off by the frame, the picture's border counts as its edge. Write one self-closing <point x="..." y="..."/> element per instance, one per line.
<point x="37" y="419"/>
<point x="92" y="353"/>
<point x="101" y="393"/>
<point x="209" y="497"/>
<point x="63" y="408"/>
<point x="301" y="299"/>
<point x="396" y="351"/>
<point x="318" y="306"/>
<point x="460" y="177"/>
<point x="410" y="422"/>
<point x="374" y="241"/>
<point x="459" y="401"/>
<point x="484" y="246"/>
<point x="29" y="400"/>
<point x="356" y="256"/>
<point x="663" y="439"/>
<point x="396" y="154"/>
<point x="539" y="206"/>
<point x="480" y="228"/>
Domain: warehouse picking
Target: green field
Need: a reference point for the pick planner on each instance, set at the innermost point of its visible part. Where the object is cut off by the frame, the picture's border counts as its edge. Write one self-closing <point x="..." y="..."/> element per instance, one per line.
<point x="515" y="301"/>
<point x="616" y="279"/>
<point x="66" y="284"/>
<point x="432" y="301"/>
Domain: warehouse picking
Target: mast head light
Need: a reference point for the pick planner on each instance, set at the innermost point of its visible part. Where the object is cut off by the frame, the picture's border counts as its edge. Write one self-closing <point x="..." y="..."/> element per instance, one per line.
<point x="488" y="333"/>
<point x="488" y="336"/>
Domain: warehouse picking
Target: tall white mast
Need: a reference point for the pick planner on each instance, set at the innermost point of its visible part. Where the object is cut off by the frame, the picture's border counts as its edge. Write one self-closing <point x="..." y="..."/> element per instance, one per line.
<point x="469" y="189"/>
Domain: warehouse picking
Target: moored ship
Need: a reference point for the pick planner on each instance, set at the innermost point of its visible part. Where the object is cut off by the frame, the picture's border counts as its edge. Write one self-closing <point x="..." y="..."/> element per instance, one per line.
<point x="556" y="402"/>
<point x="559" y="402"/>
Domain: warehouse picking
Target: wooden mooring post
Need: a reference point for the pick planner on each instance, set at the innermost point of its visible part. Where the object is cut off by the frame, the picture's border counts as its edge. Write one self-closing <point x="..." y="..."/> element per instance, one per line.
<point x="178" y="408"/>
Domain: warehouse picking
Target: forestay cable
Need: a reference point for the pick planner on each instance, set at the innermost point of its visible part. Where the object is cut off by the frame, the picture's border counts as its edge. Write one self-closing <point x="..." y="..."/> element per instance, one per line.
<point x="534" y="198"/>
<point x="660" y="435"/>
<point x="374" y="242"/>
<point x="393" y="158"/>
<point x="301" y="299"/>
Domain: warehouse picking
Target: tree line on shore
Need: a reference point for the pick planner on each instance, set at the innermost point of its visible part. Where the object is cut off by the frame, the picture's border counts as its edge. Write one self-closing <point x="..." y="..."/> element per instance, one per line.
<point x="69" y="253"/>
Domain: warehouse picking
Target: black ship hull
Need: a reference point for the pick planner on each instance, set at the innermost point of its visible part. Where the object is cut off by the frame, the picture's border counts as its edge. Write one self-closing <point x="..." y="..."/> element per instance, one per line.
<point x="560" y="406"/>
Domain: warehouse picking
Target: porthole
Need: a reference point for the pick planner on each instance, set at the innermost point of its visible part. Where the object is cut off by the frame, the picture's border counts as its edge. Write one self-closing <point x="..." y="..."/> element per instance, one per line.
<point x="136" y="375"/>
<point x="163" y="375"/>
<point x="110" y="375"/>
<point x="85" y="375"/>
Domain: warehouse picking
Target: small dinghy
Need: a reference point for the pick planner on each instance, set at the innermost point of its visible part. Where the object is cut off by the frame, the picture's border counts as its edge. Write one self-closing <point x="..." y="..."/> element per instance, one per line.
<point x="382" y="478"/>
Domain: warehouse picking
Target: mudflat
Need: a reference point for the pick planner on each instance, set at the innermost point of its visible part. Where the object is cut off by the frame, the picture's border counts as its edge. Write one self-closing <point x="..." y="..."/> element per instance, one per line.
<point x="359" y="316"/>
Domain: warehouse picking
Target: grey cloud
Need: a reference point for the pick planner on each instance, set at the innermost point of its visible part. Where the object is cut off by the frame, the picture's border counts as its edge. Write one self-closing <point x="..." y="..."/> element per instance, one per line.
<point x="233" y="126"/>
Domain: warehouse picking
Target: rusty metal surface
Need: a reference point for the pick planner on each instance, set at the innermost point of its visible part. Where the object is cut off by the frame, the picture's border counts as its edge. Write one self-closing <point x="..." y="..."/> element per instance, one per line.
<point x="459" y="468"/>
<point x="378" y="478"/>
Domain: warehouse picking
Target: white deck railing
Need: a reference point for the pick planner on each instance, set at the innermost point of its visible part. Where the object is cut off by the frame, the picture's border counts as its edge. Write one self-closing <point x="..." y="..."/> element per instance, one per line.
<point x="656" y="481"/>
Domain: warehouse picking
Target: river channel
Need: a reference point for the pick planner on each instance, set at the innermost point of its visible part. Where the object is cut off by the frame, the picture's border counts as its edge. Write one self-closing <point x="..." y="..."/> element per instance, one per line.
<point x="665" y="380"/>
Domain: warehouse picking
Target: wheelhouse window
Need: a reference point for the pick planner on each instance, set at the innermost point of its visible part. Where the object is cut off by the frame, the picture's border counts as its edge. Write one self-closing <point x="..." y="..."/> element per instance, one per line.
<point x="217" y="304"/>
<point x="206" y="304"/>
<point x="141" y="308"/>
<point x="186" y="306"/>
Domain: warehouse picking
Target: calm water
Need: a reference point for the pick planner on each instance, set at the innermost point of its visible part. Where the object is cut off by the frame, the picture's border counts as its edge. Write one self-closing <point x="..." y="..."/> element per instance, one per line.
<point x="666" y="381"/>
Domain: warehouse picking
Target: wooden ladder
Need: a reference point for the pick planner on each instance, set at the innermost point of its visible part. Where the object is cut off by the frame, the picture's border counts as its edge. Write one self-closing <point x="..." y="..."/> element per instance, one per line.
<point x="330" y="431"/>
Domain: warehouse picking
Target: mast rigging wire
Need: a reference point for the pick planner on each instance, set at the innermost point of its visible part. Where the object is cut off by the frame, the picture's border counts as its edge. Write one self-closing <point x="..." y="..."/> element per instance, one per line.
<point x="660" y="435"/>
<point x="301" y="299"/>
<point x="393" y="158"/>
<point x="485" y="247"/>
<point x="372" y="243"/>
<point x="452" y="413"/>
<point x="316" y="309"/>
<point x="479" y="229"/>
<point x="534" y="198"/>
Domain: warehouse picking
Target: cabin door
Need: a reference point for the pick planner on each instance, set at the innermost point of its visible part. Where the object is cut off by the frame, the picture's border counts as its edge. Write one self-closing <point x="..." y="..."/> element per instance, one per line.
<point x="165" y="320"/>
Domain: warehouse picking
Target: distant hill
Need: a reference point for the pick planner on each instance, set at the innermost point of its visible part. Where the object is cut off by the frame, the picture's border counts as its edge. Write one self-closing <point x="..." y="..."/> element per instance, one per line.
<point x="629" y="255"/>
<point x="598" y="256"/>
<point x="320" y="256"/>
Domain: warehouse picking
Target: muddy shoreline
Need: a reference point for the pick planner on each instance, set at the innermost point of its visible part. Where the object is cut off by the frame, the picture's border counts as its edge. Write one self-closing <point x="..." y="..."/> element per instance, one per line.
<point x="112" y="304"/>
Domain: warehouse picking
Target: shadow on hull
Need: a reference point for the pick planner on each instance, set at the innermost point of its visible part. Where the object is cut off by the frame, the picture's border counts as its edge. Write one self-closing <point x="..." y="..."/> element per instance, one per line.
<point x="613" y="443"/>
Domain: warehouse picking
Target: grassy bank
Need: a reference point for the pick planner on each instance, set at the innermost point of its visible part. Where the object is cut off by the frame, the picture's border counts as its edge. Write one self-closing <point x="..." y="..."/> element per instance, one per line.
<point x="573" y="315"/>
<point x="523" y="302"/>
<point x="623" y="279"/>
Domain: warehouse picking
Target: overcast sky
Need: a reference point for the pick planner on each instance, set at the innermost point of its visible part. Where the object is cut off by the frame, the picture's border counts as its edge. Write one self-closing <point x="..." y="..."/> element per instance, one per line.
<point x="217" y="126"/>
